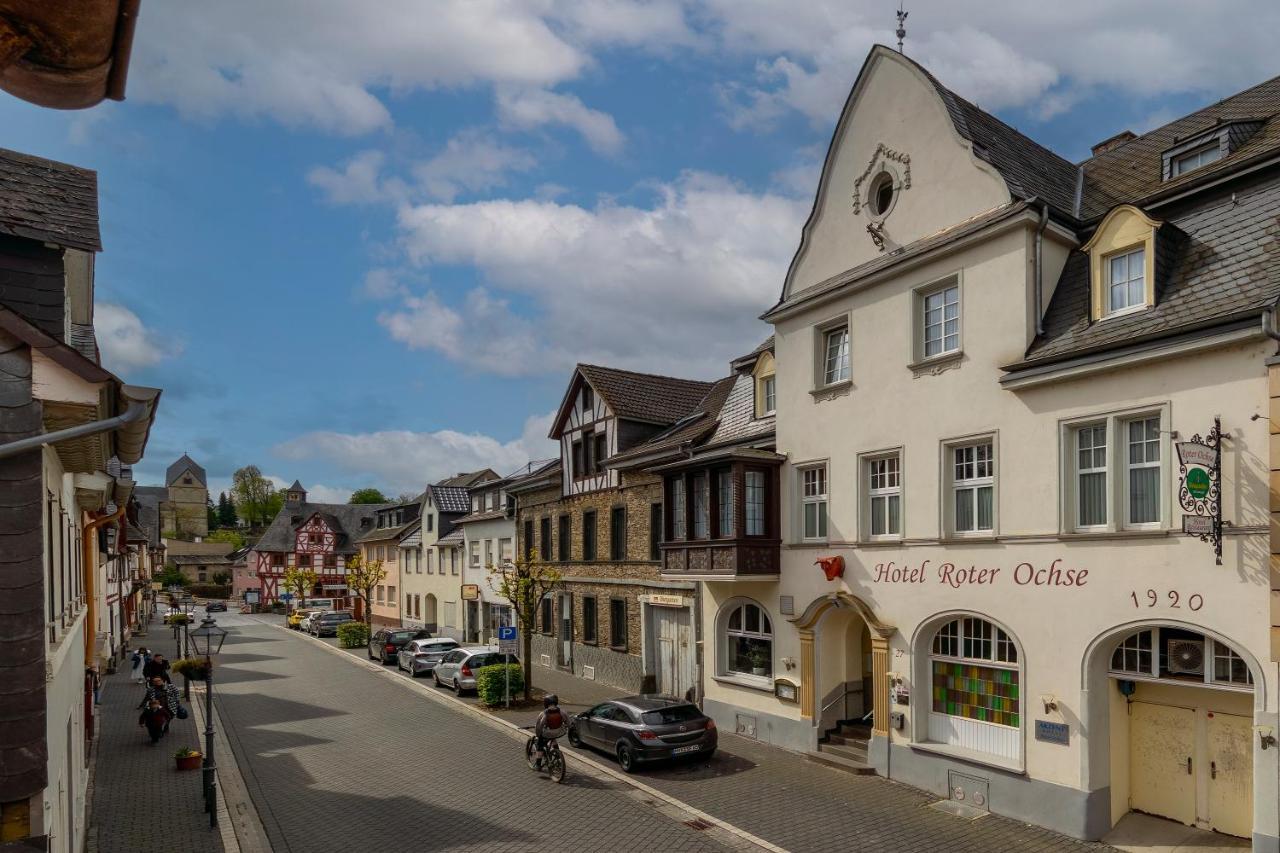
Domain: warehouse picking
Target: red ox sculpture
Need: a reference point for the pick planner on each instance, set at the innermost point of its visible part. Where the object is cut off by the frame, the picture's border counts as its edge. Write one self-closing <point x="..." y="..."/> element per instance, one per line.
<point x="832" y="567"/>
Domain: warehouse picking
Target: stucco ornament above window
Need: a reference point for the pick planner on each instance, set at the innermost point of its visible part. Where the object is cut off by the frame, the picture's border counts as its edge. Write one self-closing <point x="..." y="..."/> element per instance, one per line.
<point x="877" y="189"/>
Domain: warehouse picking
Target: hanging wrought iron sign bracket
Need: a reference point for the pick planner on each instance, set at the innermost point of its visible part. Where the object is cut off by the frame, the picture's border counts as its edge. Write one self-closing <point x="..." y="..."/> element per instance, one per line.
<point x="1200" y="487"/>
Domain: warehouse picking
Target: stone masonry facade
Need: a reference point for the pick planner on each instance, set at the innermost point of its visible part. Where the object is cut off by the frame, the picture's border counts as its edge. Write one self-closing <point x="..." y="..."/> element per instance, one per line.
<point x="601" y="579"/>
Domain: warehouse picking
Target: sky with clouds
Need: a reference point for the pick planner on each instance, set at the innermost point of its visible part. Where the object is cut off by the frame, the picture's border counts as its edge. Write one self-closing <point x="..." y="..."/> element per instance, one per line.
<point x="365" y="244"/>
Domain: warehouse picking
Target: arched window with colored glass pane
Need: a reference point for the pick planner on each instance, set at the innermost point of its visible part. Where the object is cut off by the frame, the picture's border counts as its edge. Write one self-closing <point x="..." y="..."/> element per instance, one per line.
<point x="976" y="698"/>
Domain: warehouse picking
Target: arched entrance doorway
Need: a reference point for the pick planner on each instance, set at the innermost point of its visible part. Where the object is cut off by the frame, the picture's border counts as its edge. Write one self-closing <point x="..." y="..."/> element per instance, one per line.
<point x="844" y="663"/>
<point x="1171" y="710"/>
<point x="430" y="614"/>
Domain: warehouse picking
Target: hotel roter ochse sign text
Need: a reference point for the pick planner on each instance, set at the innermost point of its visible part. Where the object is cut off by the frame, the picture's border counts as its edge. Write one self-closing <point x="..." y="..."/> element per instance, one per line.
<point x="1200" y="487"/>
<point x="1053" y="574"/>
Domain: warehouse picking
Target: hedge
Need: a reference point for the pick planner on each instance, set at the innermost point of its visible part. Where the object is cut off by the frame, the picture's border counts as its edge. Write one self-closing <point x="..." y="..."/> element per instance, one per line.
<point x="210" y="590"/>
<point x="491" y="682"/>
<point x="353" y="635"/>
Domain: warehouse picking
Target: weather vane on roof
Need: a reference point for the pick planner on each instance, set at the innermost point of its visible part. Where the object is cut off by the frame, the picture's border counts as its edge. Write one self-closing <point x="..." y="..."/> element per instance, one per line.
<point x="902" y="25"/>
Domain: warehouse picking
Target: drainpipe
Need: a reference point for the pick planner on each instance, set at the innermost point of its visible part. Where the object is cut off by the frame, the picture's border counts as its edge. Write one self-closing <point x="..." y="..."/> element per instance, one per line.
<point x="90" y="569"/>
<point x="1269" y="324"/>
<point x="1039" y="270"/>
<point x="136" y="411"/>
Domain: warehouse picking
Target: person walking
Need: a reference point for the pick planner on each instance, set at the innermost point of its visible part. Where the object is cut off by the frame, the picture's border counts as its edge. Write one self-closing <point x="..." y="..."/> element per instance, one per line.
<point x="141" y="657"/>
<point x="168" y="697"/>
<point x="156" y="720"/>
<point x="157" y="666"/>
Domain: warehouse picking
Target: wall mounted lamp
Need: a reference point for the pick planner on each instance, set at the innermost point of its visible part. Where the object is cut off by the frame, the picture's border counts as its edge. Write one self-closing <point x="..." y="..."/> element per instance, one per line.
<point x="1050" y="702"/>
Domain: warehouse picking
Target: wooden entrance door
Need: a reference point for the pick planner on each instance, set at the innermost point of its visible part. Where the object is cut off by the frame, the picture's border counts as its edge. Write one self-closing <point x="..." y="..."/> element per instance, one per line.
<point x="1162" y="742"/>
<point x="674" y="633"/>
<point x="1230" y="741"/>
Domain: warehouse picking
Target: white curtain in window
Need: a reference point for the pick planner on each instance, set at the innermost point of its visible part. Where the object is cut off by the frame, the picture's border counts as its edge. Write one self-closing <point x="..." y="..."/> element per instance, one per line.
<point x="1144" y="471"/>
<point x="1091" y="455"/>
<point x="725" y="488"/>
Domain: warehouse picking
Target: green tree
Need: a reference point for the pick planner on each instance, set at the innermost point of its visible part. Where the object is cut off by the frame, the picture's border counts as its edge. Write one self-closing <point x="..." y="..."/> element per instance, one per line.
<point x="525" y="583"/>
<point x="226" y="511"/>
<point x="234" y="538"/>
<point x="368" y="496"/>
<point x="300" y="582"/>
<point x="210" y="514"/>
<point x="362" y="579"/>
<point x="253" y="495"/>
<point x="171" y="576"/>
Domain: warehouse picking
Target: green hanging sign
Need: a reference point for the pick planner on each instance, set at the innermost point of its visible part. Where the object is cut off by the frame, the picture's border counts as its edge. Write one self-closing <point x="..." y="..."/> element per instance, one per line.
<point x="1198" y="483"/>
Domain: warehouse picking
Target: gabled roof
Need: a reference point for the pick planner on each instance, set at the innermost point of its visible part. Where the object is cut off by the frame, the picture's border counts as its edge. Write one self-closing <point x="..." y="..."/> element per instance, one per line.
<point x="343" y="518"/>
<point x="467" y="480"/>
<point x="185" y="462"/>
<point x="688" y="430"/>
<point x="296" y="487"/>
<point x="456" y="536"/>
<point x="48" y="201"/>
<point x="450" y="499"/>
<point x="644" y="397"/>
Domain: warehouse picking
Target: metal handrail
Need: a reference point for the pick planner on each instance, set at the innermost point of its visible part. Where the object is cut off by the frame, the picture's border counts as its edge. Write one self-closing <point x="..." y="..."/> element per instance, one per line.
<point x="839" y="698"/>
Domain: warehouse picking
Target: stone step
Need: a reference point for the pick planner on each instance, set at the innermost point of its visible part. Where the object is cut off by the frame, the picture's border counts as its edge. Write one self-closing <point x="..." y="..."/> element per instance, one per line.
<point x="854" y="752"/>
<point x="839" y="762"/>
<point x="847" y="740"/>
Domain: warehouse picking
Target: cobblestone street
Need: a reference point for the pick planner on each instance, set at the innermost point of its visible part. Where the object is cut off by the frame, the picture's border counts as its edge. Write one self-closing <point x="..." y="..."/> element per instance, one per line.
<point x="140" y="802"/>
<point x="339" y="758"/>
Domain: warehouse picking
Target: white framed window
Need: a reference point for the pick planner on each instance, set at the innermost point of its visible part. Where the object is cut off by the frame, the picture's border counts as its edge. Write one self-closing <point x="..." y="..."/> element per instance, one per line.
<point x="1126" y="281"/>
<point x="813" y="502"/>
<point x="1142" y="471"/>
<point x="940" y="321"/>
<point x="973" y="483"/>
<point x="1117" y="470"/>
<point x="766" y="385"/>
<point x="747" y="641"/>
<point x="1091" y="475"/>
<point x="1181" y="656"/>
<point x="1195" y="158"/>
<point x="769" y="387"/>
<point x="382" y="594"/>
<point x="391" y="596"/>
<point x="835" y="358"/>
<point x="475" y="554"/>
<point x="884" y="496"/>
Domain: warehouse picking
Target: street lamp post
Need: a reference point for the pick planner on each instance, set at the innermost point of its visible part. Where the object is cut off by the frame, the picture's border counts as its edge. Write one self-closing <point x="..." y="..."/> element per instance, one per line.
<point x="186" y="602"/>
<point x="207" y="640"/>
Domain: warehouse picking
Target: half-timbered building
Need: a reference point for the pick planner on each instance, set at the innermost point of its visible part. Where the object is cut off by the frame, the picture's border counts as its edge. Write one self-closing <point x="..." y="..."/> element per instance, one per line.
<point x="321" y="537"/>
<point x="601" y="526"/>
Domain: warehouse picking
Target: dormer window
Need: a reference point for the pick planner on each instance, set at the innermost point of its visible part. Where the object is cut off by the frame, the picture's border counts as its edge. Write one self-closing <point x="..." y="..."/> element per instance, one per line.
<point x="1126" y="281"/>
<point x="766" y="385"/>
<point x="1195" y="158"/>
<point x="588" y="399"/>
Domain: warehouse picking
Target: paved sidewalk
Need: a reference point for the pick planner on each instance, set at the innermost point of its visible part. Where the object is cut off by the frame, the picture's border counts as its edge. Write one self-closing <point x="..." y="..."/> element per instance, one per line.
<point x="141" y="803"/>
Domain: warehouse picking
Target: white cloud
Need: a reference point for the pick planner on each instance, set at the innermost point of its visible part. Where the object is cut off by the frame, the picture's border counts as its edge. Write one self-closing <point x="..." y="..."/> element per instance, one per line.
<point x="127" y="344"/>
<point x="382" y="283"/>
<point x="471" y="161"/>
<point x="359" y="181"/>
<point x="533" y="108"/>
<point x="319" y="62"/>
<point x="673" y="287"/>
<point x="407" y="461"/>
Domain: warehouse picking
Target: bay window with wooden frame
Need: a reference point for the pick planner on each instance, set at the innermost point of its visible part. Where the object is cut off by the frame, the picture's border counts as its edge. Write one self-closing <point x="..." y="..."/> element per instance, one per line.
<point x="721" y="520"/>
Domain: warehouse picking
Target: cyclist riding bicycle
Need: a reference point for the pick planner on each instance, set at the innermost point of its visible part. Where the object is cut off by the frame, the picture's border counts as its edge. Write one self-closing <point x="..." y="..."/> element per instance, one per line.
<point x="551" y="724"/>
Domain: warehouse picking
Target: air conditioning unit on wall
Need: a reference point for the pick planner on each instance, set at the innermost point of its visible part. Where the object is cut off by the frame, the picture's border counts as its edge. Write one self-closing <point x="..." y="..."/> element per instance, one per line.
<point x="1186" y="657"/>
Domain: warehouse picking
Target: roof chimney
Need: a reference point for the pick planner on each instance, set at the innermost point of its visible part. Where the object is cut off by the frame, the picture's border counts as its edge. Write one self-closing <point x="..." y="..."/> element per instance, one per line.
<point x="1113" y="142"/>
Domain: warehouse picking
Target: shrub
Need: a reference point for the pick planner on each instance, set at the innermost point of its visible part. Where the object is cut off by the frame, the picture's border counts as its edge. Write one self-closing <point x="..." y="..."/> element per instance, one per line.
<point x="353" y="635"/>
<point x="192" y="668"/>
<point x="491" y="682"/>
<point x="177" y="619"/>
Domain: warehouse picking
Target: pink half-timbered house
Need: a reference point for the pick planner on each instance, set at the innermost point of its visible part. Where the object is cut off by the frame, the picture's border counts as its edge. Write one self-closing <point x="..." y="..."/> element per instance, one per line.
<point x="321" y="537"/>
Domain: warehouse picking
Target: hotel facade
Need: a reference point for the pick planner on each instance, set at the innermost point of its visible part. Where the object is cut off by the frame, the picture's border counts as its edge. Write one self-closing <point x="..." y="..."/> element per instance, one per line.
<point x="998" y="379"/>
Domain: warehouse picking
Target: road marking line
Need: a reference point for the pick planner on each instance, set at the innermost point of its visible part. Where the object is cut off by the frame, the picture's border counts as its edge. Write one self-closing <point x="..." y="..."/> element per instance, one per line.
<point x="514" y="731"/>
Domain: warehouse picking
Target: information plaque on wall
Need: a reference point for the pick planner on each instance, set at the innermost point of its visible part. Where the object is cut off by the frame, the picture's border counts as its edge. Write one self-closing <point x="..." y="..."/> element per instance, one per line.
<point x="1053" y="732"/>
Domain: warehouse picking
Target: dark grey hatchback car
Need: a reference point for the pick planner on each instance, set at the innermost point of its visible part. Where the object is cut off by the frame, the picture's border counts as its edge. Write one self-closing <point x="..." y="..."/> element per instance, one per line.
<point x="639" y="729"/>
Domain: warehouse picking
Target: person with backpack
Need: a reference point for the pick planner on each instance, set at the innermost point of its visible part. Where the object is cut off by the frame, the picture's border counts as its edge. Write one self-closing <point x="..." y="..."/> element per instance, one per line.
<point x="168" y="697"/>
<point x="551" y="724"/>
<point x="156" y="720"/>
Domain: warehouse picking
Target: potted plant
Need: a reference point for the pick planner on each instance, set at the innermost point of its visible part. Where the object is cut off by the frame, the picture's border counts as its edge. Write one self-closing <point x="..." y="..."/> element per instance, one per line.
<point x="759" y="657"/>
<point x="195" y="669"/>
<point x="188" y="759"/>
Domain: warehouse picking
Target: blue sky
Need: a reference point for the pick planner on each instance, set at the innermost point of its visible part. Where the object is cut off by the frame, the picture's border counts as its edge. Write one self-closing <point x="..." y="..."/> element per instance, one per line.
<point x="368" y="250"/>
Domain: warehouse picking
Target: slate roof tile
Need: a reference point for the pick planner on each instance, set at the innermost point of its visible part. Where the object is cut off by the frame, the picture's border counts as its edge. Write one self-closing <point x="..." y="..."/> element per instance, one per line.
<point x="49" y="201"/>
<point x="645" y="397"/>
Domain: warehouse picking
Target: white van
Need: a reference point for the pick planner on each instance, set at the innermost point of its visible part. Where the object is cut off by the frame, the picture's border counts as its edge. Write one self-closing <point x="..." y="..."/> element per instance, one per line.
<point x="317" y="604"/>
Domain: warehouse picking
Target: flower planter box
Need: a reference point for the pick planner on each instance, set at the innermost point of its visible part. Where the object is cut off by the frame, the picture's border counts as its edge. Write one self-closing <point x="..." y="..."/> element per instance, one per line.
<point x="189" y="762"/>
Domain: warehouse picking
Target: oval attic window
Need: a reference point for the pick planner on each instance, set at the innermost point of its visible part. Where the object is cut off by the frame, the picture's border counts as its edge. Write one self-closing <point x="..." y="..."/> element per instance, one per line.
<point x="882" y="194"/>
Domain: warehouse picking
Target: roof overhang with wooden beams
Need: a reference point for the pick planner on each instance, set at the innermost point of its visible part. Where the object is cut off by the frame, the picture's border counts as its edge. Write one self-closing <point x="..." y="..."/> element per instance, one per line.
<point x="66" y="55"/>
<point x="74" y="391"/>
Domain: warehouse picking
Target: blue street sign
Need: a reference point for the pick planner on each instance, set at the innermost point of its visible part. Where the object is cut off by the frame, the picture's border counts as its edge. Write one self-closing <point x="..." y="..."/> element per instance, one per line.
<point x="506" y="632"/>
<point x="286" y="596"/>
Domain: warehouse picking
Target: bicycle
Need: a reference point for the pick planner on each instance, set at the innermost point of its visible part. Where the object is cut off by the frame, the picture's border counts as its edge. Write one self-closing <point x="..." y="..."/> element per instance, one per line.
<point x="552" y="757"/>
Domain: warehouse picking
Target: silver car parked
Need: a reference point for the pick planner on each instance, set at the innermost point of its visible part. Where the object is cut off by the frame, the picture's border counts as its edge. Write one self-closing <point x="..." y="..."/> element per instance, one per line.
<point x="421" y="656"/>
<point x="457" y="669"/>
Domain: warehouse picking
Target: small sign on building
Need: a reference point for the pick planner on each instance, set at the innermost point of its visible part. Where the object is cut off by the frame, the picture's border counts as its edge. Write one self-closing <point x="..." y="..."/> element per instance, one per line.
<point x="471" y="592"/>
<point x="1051" y="732"/>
